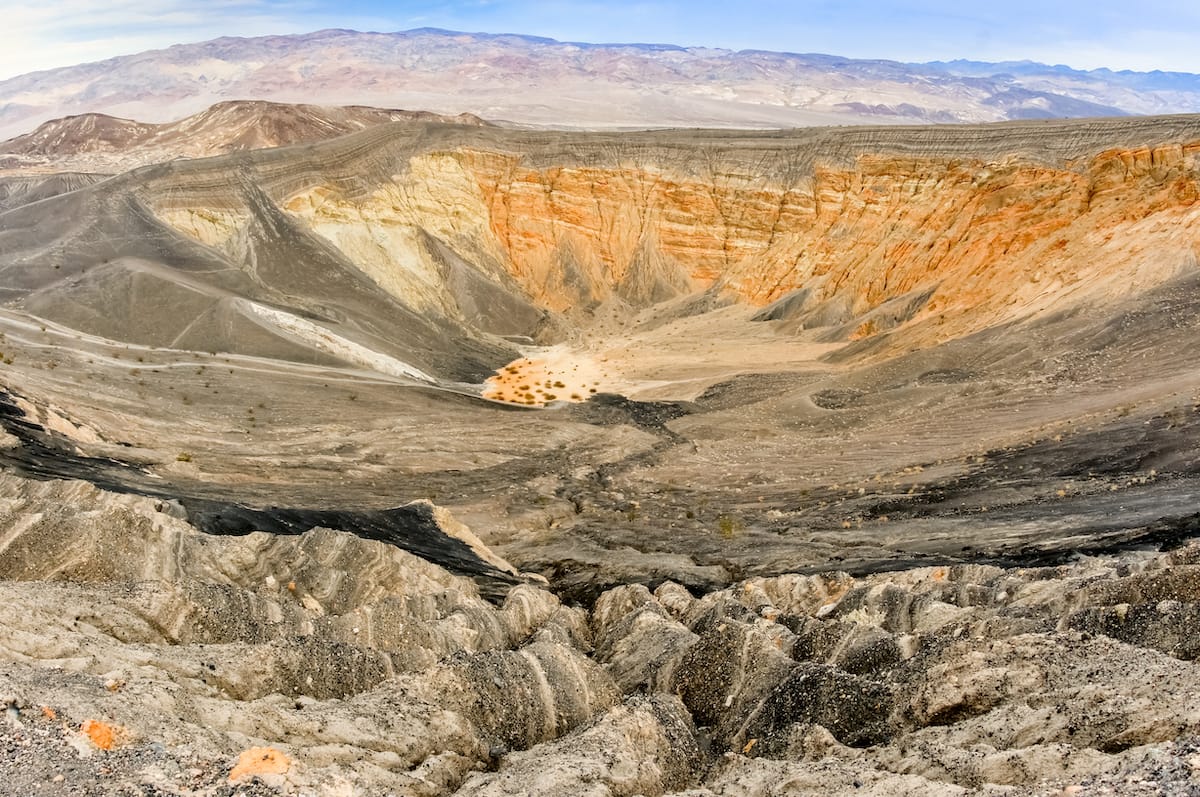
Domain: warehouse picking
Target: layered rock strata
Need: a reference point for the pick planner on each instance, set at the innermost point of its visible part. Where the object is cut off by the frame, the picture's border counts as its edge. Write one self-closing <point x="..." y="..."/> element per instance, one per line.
<point x="944" y="232"/>
<point x="440" y="233"/>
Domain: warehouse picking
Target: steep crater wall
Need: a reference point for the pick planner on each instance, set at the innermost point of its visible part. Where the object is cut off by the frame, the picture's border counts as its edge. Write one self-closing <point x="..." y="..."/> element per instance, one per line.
<point x="853" y="220"/>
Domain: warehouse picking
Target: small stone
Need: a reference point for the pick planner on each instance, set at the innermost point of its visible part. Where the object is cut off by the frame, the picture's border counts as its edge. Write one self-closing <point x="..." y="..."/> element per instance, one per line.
<point x="260" y="761"/>
<point x="103" y="735"/>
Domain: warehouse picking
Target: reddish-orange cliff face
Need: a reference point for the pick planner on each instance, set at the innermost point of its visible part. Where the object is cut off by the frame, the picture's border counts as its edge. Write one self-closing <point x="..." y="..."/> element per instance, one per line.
<point x="943" y="231"/>
<point x="993" y="239"/>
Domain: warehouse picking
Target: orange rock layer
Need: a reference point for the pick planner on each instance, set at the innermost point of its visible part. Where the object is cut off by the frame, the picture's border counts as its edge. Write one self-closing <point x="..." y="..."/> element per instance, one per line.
<point x="259" y="761"/>
<point x="994" y="240"/>
<point x="104" y="735"/>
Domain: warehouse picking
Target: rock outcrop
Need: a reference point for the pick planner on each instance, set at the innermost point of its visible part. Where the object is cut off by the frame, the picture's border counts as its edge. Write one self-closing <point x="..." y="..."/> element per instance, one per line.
<point x="333" y="663"/>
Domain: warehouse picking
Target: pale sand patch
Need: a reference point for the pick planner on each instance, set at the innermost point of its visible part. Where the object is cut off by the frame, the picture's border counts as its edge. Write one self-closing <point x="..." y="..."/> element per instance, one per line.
<point x="679" y="360"/>
<point x="557" y="373"/>
<point x="676" y="361"/>
<point x="325" y="340"/>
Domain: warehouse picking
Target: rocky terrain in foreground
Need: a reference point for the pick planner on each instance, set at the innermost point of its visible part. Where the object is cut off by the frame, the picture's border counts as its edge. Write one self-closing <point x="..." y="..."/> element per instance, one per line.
<point x="141" y="656"/>
<point x="449" y="459"/>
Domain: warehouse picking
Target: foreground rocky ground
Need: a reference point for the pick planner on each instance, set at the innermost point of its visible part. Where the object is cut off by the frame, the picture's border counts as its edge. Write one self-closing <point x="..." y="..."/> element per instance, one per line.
<point x="950" y="362"/>
<point x="141" y="656"/>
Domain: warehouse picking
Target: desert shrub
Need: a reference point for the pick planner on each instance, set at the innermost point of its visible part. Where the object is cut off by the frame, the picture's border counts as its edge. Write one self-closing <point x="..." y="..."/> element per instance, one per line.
<point x="730" y="526"/>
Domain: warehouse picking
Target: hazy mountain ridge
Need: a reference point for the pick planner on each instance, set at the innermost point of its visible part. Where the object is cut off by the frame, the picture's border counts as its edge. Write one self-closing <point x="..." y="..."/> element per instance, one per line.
<point x="1155" y="79"/>
<point x="541" y="81"/>
<point x="101" y="143"/>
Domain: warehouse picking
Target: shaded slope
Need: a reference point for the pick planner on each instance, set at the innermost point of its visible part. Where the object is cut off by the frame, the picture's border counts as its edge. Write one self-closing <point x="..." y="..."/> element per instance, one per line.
<point x="21" y="189"/>
<point x="116" y="271"/>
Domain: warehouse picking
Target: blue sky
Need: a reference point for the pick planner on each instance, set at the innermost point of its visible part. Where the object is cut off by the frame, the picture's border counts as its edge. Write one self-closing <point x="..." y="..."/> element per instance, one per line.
<point x="1143" y="35"/>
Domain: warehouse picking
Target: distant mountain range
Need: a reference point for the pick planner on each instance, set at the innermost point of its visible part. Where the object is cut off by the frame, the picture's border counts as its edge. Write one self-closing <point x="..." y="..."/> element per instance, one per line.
<point x="537" y="81"/>
<point x="99" y="143"/>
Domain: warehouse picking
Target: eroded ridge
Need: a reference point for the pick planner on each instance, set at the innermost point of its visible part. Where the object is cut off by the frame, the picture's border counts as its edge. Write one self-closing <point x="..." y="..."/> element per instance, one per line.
<point x="325" y="661"/>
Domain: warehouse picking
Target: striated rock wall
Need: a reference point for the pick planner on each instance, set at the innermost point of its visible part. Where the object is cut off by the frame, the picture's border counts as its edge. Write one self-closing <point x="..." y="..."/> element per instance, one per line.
<point x="964" y="227"/>
<point x="996" y="238"/>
